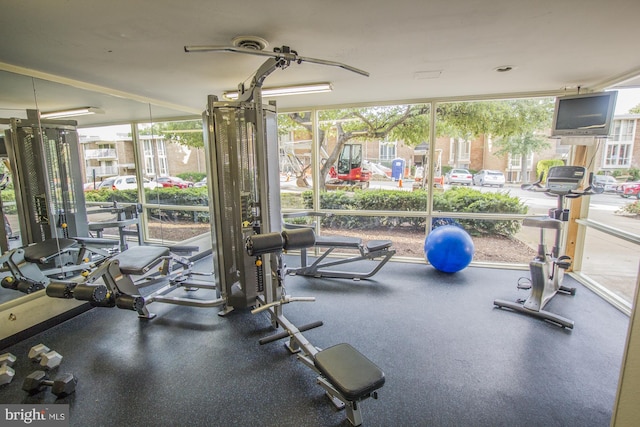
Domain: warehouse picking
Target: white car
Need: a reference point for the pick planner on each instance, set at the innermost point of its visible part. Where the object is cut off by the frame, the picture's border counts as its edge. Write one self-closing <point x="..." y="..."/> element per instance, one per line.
<point x="129" y="182"/>
<point x="609" y="183"/>
<point x="458" y="176"/>
<point x="201" y="183"/>
<point x="489" y="177"/>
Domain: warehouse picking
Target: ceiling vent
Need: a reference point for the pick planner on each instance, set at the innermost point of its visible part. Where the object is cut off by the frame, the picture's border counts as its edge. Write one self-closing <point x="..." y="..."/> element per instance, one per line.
<point x="250" y="42"/>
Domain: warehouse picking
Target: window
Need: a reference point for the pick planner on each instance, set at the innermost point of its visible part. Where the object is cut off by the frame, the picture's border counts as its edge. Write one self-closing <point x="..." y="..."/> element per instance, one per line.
<point x="459" y="152"/>
<point x="387" y="150"/>
<point x="149" y="167"/>
<point x="620" y="144"/>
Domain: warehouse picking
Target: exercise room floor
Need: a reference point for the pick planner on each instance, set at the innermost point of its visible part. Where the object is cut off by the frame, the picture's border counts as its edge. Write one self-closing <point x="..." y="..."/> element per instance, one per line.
<point x="450" y="358"/>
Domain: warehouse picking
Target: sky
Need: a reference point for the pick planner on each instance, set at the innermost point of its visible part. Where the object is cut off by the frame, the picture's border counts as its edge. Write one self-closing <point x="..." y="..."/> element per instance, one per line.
<point x="627" y="98"/>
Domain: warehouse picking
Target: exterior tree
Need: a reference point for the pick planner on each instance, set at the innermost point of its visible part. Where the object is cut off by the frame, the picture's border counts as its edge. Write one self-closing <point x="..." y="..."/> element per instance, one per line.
<point x="635" y="110"/>
<point x="513" y="122"/>
<point x="187" y="132"/>
<point x="517" y="126"/>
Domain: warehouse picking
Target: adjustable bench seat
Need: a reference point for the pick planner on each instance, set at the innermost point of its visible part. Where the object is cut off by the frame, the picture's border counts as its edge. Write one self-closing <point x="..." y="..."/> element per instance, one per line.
<point x="349" y="371"/>
<point x="140" y="259"/>
<point x="338" y="241"/>
<point x="42" y="252"/>
<point x="349" y="374"/>
<point x="320" y="267"/>
<point x="378" y="245"/>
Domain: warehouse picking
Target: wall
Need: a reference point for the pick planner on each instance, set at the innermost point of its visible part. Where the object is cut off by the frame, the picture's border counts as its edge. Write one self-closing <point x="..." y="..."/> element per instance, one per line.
<point x="626" y="411"/>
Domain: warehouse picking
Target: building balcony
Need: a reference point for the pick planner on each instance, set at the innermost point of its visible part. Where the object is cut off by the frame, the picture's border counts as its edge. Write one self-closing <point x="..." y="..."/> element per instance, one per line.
<point x="101" y="171"/>
<point x="100" y="153"/>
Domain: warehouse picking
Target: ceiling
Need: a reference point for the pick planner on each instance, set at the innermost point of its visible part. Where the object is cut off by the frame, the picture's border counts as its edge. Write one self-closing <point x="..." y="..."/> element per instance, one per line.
<point x="127" y="57"/>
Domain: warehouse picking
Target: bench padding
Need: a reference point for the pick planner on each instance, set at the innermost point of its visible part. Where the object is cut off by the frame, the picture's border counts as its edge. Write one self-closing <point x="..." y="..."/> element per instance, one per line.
<point x="351" y="373"/>
<point x="338" y="241"/>
<point x="378" y="245"/>
<point x="139" y="259"/>
<point x="41" y="252"/>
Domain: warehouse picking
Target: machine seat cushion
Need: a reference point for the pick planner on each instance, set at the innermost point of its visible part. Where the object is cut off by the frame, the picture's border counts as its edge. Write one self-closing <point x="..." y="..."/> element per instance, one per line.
<point x="377" y="245"/>
<point x="542" y="222"/>
<point x="41" y="252"/>
<point x="139" y="259"/>
<point x="351" y="373"/>
<point x="338" y="241"/>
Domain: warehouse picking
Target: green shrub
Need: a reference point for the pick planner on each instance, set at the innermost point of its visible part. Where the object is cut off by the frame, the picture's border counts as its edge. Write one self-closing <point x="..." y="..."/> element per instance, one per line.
<point x="543" y="166"/>
<point x="632" y="208"/>
<point x="192" y="176"/>
<point x="458" y="199"/>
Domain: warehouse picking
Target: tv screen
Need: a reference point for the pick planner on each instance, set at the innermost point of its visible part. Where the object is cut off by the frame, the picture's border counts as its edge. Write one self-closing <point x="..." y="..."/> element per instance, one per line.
<point x="584" y="115"/>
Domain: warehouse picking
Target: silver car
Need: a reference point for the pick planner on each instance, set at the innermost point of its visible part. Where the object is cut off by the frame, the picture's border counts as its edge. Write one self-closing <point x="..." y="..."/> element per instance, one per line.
<point x="489" y="177"/>
<point x="458" y="176"/>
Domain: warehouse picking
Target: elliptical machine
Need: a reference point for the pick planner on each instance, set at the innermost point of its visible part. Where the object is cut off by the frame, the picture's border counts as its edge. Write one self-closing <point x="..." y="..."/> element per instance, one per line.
<point x="547" y="268"/>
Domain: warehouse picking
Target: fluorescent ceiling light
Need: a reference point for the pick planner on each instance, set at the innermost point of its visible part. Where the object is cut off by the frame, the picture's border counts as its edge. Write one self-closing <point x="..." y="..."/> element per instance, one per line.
<point x="288" y="90"/>
<point x="71" y="113"/>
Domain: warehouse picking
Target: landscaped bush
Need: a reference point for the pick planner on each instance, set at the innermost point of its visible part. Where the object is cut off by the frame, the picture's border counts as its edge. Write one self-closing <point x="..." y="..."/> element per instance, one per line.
<point x="459" y="199"/>
<point x="8" y="195"/>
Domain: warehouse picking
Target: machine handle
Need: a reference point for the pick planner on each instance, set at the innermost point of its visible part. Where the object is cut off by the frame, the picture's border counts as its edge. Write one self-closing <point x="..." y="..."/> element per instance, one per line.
<point x="534" y="186"/>
<point x="284" y="300"/>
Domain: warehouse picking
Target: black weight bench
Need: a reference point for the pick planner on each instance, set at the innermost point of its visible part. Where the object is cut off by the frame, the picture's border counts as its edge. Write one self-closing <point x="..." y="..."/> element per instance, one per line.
<point x="151" y="265"/>
<point x="348" y="378"/>
<point x="29" y="269"/>
<point x="321" y="267"/>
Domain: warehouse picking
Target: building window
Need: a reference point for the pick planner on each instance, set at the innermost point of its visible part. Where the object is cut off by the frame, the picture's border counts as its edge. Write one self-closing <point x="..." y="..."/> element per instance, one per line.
<point x="387" y="150"/>
<point x="149" y="167"/>
<point x="459" y="152"/>
<point x="163" y="163"/>
<point x="620" y="144"/>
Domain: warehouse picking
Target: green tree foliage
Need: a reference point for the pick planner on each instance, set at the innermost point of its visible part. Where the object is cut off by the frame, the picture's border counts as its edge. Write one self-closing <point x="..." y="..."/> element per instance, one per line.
<point x="635" y="110"/>
<point x="513" y="122"/>
<point x="186" y="132"/>
<point x="543" y="166"/>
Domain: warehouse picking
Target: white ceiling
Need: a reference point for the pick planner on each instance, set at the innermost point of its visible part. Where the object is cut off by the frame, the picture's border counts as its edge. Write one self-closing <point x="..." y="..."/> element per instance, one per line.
<point x="127" y="56"/>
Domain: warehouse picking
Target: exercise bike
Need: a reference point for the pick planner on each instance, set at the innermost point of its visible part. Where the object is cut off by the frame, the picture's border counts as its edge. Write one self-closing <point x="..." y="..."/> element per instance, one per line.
<point x="547" y="268"/>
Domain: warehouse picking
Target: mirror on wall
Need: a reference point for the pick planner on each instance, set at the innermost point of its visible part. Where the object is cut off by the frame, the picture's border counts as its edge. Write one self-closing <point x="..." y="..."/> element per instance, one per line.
<point x="22" y="93"/>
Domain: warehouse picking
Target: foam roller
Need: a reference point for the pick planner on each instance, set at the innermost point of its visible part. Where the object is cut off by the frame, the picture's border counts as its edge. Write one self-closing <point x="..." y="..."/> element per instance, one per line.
<point x="92" y="293"/>
<point x="259" y="244"/>
<point x="298" y="238"/>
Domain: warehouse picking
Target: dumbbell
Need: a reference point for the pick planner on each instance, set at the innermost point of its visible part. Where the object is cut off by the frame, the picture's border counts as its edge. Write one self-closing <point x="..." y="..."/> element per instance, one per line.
<point x="48" y="359"/>
<point x="63" y="385"/>
<point x="6" y="371"/>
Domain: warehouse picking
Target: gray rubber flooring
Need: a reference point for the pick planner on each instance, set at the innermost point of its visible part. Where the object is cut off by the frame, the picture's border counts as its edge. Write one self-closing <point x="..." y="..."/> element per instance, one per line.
<point x="450" y="358"/>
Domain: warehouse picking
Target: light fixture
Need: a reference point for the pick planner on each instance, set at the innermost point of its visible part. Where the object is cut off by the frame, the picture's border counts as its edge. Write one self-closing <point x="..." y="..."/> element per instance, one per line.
<point x="71" y="113"/>
<point x="288" y="90"/>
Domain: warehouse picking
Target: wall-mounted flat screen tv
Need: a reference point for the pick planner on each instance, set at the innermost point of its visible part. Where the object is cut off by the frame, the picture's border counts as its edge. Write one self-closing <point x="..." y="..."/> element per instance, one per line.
<point x="584" y="115"/>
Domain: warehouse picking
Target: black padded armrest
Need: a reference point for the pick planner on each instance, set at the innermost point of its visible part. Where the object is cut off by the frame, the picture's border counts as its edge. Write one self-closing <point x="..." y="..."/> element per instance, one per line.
<point x="43" y="251"/>
<point x="139" y="259"/>
<point x="351" y="373"/>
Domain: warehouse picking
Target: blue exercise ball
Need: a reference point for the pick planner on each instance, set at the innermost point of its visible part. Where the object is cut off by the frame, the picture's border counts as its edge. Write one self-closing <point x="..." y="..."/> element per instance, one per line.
<point x="449" y="248"/>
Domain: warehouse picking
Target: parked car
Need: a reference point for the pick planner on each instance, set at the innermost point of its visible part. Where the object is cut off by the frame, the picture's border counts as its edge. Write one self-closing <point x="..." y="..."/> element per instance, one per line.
<point x="173" y="181"/>
<point x="107" y="183"/>
<point x="609" y="183"/>
<point x="91" y="185"/>
<point x="130" y="182"/>
<point x="489" y="177"/>
<point x="201" y="183"/>
<point x="458" y="176"/>
<point x="629" y="189"/>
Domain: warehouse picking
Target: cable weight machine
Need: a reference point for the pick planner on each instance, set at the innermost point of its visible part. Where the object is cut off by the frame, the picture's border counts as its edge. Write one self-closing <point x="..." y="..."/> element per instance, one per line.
<point x="241" y="145"/>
